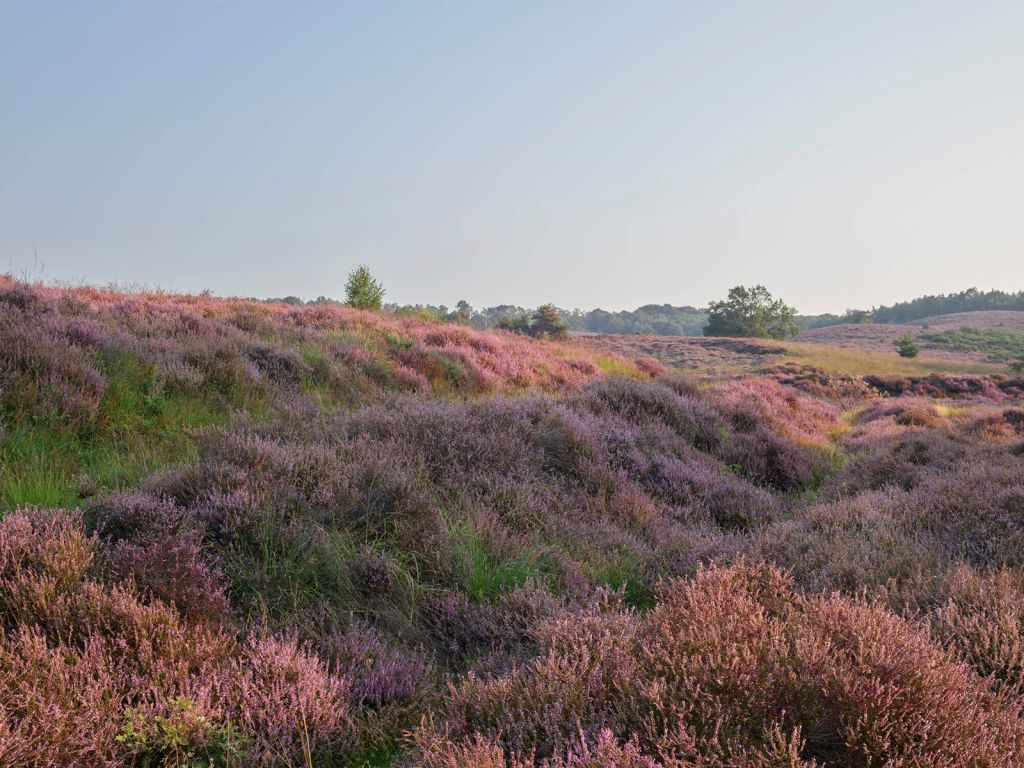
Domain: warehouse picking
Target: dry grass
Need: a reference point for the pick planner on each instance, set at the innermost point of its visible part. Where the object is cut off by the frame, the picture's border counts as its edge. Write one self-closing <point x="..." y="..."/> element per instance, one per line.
<point x="725" y="357"/>
<point x="856" y="362"/>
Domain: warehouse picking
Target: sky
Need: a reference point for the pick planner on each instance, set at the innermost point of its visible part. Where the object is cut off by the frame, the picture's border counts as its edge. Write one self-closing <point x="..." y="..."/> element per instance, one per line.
<point x="592" y="154"/>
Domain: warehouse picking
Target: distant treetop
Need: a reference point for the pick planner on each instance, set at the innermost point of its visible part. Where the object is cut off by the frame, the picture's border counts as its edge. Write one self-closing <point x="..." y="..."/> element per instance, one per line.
<point x="751" y="312"/>
<point x="971" y="300"/>
<point x="362" y="291"/>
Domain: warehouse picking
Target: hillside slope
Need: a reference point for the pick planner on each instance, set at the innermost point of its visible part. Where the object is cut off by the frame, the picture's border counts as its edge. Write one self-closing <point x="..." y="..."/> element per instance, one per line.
<point x="247" y="534"/>
<point x="881" y="337"/>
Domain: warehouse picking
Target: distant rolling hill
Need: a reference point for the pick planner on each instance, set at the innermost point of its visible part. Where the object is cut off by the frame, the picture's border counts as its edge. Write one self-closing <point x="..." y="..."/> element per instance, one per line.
<point x="993" y="336"/>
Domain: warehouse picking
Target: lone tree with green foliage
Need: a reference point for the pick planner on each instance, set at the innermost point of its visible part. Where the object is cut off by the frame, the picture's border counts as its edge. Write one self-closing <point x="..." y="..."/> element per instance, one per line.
<point x="906" y="345"/>
<point x="751" y="312"/>
<point x="547" y="323"/>
<point x="1017" y="366"/>
<point x="362" y="291"/>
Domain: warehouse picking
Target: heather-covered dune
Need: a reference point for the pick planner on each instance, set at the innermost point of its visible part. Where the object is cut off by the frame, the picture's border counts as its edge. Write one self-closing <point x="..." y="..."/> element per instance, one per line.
<point x="97" y="385"/>
<point x="991" y="336"/>
<point x="242" y="534"/>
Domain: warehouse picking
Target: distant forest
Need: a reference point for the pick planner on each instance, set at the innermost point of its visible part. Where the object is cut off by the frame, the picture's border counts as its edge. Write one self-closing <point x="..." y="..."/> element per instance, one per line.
<point x="971" y="300"/>
<point x="669" y="320"/>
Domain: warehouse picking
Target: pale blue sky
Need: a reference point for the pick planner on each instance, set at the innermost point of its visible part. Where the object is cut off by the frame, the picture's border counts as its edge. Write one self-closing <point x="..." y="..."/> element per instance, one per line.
<point x="587" y="153"/>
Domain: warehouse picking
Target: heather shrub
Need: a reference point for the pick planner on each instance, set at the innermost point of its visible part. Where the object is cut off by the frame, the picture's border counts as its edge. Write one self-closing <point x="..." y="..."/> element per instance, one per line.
<point x="43" y="375"/>
<point x="638" y="402"/>
<point x="966" y="511"/>
<point x="378" y="674"/>
<point x="175" y="569"/>
<point x="889" y="384"/>
<point x="439" y="752"/>
<point x="889" y="693"/>
<point x="850" y="545"/>
<point x="600" y="751"/>
<point x="776" y="436"/>
<point x="490" y="637"/>
<point x="902" y="462"/>
<point x="734" y="668"/>
<point x="45" y="542"/>
<point x="938" y="385"/>
<point x="680" y="384"/>
<point x="651" y="366"/>
<point x="752" y="402"/>
<point x="387" y="686"/>
<point x="59" y="706"/>
<point x="89" y="674"/>
<point x="159" y="547"/>
<point x="382" y="534"/>
<point x="982" y="620"/>
<point x="904" y="411"/>
<point x="283" y="366"/>
<point x="311" y="516"/>
<point x="974" y="511"/>
<point x="1015" y="418"/>
<point x="603" y="751"/>
<point x="289" y="702"/>
<point x="768" y="459"/>
<point x="536" y="709"/>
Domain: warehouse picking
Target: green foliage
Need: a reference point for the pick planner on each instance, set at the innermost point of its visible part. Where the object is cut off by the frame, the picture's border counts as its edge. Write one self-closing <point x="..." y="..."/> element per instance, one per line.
<point x="858" y="316"/>
<point x="1017" y="366"/>
<point x="377" y="756"/>
<point x="751" y="312"/>
<point x="906" y="345"/>
<point x="138" y="428"/>
<point x="515" y="324"/>
<point x="491" y="574"/>
<point x="1000" y="345"/>
<point x="971" y="300"/>
<point x="170" y="740"/>
<point x="362" y="291"/>
<point x="463" y="313"/>
<point x="652" y="319"/>
<point x="623" y="573"/>
<point x="297" y="573"/>
<point x="547" y="323"/>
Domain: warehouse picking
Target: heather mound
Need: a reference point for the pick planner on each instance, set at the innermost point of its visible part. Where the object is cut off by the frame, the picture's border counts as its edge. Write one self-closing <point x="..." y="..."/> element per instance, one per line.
<point x="99" y="387"/>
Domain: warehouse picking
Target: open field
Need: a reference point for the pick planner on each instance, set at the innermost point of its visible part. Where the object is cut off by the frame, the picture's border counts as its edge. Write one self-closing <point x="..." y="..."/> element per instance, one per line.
<point x="713" y="356"/>
<point x="858" y="362"/>
<point x="247" y="534"/>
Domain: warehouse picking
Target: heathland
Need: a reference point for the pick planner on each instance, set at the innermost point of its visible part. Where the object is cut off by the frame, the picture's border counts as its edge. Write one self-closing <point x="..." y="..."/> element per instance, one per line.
<point x="241" y="533"/>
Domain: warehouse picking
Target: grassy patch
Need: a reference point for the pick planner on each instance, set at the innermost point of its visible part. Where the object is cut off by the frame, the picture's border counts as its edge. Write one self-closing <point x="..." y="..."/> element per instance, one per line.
<point x="290" y="573"/>
<point x="616" y="366"/>
<point x="622" y="573"/>
<point x="998" y="345"/>
<point x="41" y="465"/>
<point x="490" y="573"/>
<point x="377" y="756"/>
<point x="139" y="428"/>
<point x="858" y="362"/>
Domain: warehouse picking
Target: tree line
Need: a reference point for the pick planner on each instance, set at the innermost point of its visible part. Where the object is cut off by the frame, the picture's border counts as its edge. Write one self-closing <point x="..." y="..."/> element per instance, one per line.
<point x="746" y="311"/>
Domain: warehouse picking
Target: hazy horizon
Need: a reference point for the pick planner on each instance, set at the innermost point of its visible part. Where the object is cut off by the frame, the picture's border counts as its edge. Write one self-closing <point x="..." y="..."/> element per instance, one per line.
<point x="590" y="156"/>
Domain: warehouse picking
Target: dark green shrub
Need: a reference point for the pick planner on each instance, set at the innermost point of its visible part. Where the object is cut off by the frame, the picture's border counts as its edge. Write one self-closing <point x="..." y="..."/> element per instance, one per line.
<point x="906" y="346"/>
